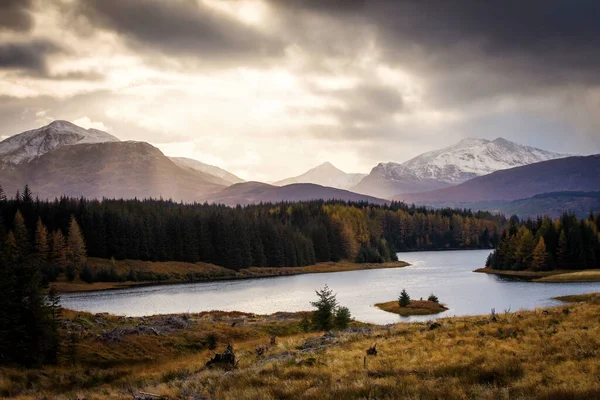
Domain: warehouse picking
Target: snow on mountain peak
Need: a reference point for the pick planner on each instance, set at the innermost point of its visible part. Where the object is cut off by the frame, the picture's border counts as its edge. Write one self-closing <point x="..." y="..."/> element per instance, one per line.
<point x="28" y="145"/>
<point x="474" y="157"/>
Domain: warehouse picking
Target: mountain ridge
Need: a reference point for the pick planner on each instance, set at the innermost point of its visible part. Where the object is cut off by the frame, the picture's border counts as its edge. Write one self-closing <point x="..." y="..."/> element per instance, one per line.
<point x="256" y="192"/>
<point x="576" y="173"/>
<point x="223" y="175"/>
<point x="449" y="166"/>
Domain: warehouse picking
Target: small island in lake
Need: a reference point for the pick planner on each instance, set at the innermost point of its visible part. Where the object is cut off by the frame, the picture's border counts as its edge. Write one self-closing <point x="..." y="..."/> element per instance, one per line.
<point x="415" y="307"/>
<point x="405" y="307"/>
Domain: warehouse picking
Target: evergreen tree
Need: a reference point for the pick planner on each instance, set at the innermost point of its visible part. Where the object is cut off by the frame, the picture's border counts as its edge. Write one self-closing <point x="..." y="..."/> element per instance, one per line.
<point x="2" y="195"/>
<point x="342" y="318"/>
<point x="404" y="299"/>
<point x="525" y="247"/>
<point x="540" y="259"/>
<point x="562" y="261"/>
<point x="21" y="235"/>
<point x="325" y="307"/>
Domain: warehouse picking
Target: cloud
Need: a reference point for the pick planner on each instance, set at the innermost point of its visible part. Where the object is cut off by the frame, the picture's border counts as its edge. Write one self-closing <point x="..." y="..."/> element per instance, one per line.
<point x="15" y="15"/>
<point x="87" y="123"/>
<point x="29" y="55"/>
<point x="180" y="28"/>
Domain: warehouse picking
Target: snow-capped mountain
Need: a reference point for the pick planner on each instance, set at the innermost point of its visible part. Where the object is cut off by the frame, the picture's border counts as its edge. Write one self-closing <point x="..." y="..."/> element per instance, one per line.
<point x="325" y="175"/>
<point x="225" y="177"/>
<point x="449" y="166"/>
<point x="29" y="145"/>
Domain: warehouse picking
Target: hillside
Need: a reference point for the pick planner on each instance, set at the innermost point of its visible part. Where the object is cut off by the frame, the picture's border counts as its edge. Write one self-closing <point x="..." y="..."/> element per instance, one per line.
<point x="257" y="192"/>
<point x="449" y="166"/>
<point x="542" y="354"/>
<point x="325" y="174"/>
<point x="112" y="170"/>
<point x="222" y="177"/>
<point x="566" y="174"/>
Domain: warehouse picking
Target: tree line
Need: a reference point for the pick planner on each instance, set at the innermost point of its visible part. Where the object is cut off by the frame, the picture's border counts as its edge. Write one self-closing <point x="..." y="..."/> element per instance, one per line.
<point x="544" y="244"/>
<point x="263" y="235"/>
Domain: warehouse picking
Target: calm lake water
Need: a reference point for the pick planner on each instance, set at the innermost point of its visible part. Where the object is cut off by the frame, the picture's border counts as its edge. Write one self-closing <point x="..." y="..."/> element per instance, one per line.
<point x="448" y="274"/>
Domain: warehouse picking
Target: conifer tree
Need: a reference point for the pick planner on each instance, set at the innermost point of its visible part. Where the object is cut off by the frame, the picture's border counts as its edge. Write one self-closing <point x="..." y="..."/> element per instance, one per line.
<point x="326" y="305"/>
<point x="58" y="250"/>
<point x="404" y="299"/>
<point x="76" y="245"/>
<point x="2" y="195"/>
<point x="561" y="251"/>
<point x="21" y="235"/>
<point x="342" y="318"/>
<point x="42" y="249"/>
<point x="540" y="258"/>
<point x="525" y="248"/>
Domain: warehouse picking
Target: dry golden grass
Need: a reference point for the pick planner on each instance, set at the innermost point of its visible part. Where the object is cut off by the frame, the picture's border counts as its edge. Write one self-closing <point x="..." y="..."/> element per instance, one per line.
<point x="180" y="272"/>
<point x="592" y="275"/>
<point x="415" y="307"/>
<point x="550" y="354"/>
<point x="591" y="298"/>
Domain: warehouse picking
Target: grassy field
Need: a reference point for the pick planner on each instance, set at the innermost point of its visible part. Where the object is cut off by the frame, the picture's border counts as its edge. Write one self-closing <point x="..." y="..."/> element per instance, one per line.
<point x="548" y="276"/>
<point x="541" y="354"/>
<point x="180" y="272"/>
<point x="415" y="307"/>
<point x="592" y="275"/>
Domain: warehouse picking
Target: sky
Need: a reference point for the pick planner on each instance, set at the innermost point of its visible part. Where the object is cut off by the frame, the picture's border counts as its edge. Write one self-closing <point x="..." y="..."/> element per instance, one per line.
<point x="268" y="89"/>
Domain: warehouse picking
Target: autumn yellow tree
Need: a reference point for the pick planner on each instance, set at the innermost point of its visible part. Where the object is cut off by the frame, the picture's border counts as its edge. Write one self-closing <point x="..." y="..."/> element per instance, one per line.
<point x="42" y="248"/>
<point x="539" y="261"/>
<point x="76" y="245"/>
<point x="58" y="250"/>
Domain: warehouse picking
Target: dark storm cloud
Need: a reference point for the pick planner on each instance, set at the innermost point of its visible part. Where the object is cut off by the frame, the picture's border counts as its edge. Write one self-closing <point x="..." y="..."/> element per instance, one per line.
<point x="180" y="28"/>
<point x="470" y="50"/>
<point x="366" y="104"/>
<point x="27" y="56"/>
<point x="14" y="15"/>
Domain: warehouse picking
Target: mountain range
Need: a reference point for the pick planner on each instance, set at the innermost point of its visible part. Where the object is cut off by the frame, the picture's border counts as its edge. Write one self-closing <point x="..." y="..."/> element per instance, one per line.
<point x="500" y="176"/>
<point x="449" y="166"/>
<point x="576" y="173"/>
<point x="325" y="174"/>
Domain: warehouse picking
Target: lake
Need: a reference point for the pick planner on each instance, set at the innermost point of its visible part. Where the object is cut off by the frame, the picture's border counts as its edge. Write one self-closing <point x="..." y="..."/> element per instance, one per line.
<point x="448" y="274"/>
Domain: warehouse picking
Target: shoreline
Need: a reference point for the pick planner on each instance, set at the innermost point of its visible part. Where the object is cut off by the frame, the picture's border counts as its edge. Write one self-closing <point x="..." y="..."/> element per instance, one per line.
<point x="556" y="276"/>
<point x="221" y="274"/>
<point x="167" y="355"/>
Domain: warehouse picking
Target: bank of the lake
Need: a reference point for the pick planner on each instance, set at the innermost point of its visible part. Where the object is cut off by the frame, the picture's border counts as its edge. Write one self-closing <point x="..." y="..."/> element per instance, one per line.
<point x="415" y="307"/>
<point x="555" y="276"/>
<point x="448" y="274"/>
<point x="174" y="272"/>
<point x="545" y="354"/>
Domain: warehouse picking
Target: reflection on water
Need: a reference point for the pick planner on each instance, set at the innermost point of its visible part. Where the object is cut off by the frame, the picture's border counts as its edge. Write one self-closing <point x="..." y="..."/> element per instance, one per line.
<point x="448" y="274"/>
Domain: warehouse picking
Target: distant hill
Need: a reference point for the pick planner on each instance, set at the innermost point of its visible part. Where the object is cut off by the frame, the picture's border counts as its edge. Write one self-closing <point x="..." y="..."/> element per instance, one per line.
<point x="449" y="166"/>
<point x="579" y="174"/>
<point x="222" y="176"/>
<point x="257" y="192"/>
<point x="554" y="205"/>
<point x="325" y="174"/>
<point x="112" y="169"/>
